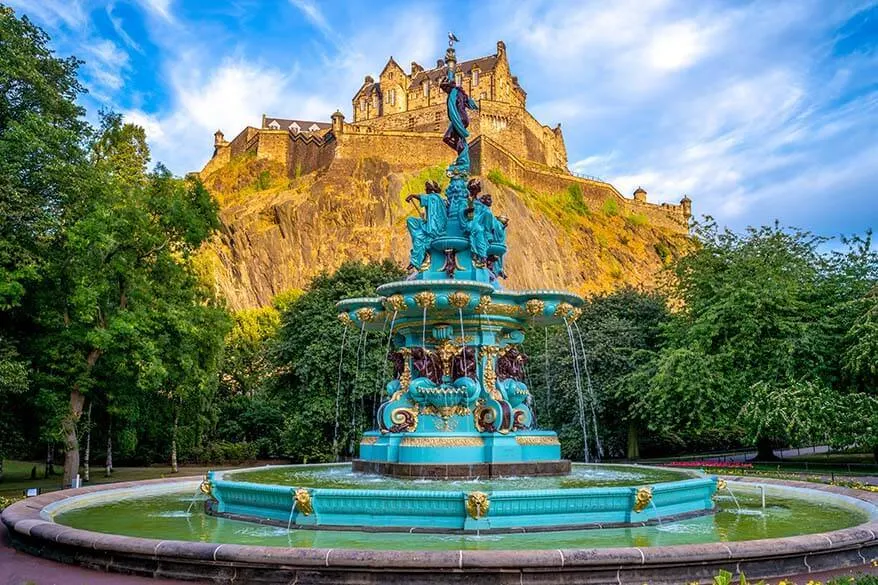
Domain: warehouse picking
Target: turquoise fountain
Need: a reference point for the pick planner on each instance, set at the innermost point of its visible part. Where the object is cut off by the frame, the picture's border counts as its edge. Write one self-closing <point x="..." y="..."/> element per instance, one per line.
<point x="457" y="406"/>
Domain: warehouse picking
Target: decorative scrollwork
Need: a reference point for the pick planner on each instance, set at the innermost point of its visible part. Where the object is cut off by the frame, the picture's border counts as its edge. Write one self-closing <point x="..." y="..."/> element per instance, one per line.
<point x="303" y="501"/>
<point x="642" y="499"/>
<point x="534" y="307"/>
<point x="426" y="299"/>
<point x="395" y="303"/>
<point x="369" y="440"/>
<point x="484" y="418"/>
<point x="404" y="420"/>
<point x="446" y="350"/>
<point x="442" y="442"/>
<point x="537" y="439"/>
<point x="458" y="299"/>
<point x="405" y="379"/>
<point x="477" y="505"/>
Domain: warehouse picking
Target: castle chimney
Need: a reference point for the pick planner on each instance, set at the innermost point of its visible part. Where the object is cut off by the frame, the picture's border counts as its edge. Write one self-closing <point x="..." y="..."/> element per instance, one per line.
<point x="686" y="203"/>
<point x="501" y="49"/>
<point x="369" y="79"/>
<point x="440" y="63"/>
<point x="337" y="123"/>
<point x="640" y="195"/>
<point x="416" y="68"/>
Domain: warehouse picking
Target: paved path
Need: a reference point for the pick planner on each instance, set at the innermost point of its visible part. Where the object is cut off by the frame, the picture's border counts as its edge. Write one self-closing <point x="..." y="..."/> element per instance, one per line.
<point x="18" y="568"/>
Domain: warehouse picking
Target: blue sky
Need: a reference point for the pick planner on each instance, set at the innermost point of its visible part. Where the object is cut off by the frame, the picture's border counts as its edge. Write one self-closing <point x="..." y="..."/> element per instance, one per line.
<point x="757" y="110"/>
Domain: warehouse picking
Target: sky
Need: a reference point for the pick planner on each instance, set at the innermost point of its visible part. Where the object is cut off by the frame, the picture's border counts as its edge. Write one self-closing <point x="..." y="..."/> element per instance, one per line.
<point x="758" y="111"/>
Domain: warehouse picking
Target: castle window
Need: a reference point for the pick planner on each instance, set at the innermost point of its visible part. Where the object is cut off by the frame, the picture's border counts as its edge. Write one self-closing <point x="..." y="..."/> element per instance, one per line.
<point x="437" y="116"/>
<point x="274" y="125"/>
<point x="475" y="77"/>
<point x="313" y="127"/>
<point x="375" y="102"/>
<point x="458" y="78"/>
<point x="411" y="124"/>
<point x="295" y="128"/>
<point x="426" y="86"/>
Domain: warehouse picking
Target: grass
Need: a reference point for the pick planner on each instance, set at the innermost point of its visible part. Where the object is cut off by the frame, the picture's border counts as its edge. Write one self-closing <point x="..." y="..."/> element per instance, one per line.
<point x="858" y="458"/>
<point x="498" y="178"/>
<point x="610" y="207"/>
<point x="637" y="219"/>
<point x="16" y="475"/>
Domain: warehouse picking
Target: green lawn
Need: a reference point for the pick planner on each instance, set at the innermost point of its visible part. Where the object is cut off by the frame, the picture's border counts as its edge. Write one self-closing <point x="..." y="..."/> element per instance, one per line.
<point x="16" y="475"/>
<point x="861" y="458"/>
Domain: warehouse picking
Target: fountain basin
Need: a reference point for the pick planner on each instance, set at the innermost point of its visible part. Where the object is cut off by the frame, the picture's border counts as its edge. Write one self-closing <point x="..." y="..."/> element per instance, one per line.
<point x="469" y="508"/>
<point x="115" y="528"/>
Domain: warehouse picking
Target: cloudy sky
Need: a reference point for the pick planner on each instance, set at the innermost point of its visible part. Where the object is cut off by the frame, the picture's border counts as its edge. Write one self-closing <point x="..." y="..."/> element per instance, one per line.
<point x="757" y="110"/>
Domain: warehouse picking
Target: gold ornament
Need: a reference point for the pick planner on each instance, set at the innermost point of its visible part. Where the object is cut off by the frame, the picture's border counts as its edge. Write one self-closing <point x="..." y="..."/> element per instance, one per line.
<point x="484" y="301"/>
<point x="477" y="504"/>
<point x="345" y="319"/>
<point x="508" y="310"/>
<point x="366" y="314"/>
<point x="563" y="310"/>
<point x="721" y="485"/>
<point x="458" y="299"/>
<point x="303" y="501"/>
<point x="484" y="417"/>
<point x="405" y="379"/>
<point x="575" y="314"/>
<point x="369" y="441"/>
<point x="537" y="440"/>
<point x="446" y="350"/>
<point x="489" y="376"/>
<point x="206" y="488"/>
<point x="442" y="442"/>
<point x="642" y="499"/>
<point x="395" y="303"/>
<point x="426" y="299"/>
<point x="534" y="307"/>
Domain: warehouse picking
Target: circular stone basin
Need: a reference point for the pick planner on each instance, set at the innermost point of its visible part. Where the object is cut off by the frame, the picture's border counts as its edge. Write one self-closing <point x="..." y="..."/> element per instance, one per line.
<point x="159" y="528"/>
<point x="166" y="512"/>
<point x="333" y="497"/>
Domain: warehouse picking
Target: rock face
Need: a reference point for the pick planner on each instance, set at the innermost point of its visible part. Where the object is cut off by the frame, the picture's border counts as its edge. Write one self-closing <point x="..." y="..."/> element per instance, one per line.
<point x="279" y="232"/>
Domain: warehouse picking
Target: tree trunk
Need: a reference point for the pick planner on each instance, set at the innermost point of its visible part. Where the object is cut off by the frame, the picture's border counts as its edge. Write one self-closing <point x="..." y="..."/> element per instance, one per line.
<point x="109" y="466"/>
<point x="174" y="441"/>
<point x="85" y="466"/>
<point x="71" y="440"/>
<point x="765" y="450"/>
<point x="1" y="468"/>
<point x="633" y="442"/>
<point x="50" y="459"/>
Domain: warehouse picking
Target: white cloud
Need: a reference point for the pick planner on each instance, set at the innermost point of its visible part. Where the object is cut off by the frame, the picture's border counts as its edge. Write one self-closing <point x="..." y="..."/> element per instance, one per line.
<point x="55" y="13"/>
<point x="230" y="97"/>
<point x="160" y="8"/>
<point x="106" y="65"/>
<point x="120" y="29"/>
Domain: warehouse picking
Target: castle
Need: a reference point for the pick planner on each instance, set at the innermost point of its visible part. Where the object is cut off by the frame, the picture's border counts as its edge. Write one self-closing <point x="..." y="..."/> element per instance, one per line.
<point x="400" y="117"/>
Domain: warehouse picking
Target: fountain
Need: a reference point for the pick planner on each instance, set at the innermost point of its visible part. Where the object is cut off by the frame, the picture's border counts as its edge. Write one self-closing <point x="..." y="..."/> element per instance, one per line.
<point x="455" y="477"/>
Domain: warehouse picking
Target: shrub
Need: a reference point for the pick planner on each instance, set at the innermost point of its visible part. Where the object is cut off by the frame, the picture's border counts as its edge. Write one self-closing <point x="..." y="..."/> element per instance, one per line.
<point x="663" y="252"/>
<point x="263" y="180"/>
<point x="221" y="452"/>
<point x="610" y="207"/>
<point x="637" y="219"/>
<point x="577" y="199"/>
<point x="498" y="178"/>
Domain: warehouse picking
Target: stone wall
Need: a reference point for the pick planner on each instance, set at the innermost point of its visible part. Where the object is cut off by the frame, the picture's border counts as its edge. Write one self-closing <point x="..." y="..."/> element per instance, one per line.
<point x="308" y="153"/>
<point x="488" y="155"/>
<point x="401" y="150"/>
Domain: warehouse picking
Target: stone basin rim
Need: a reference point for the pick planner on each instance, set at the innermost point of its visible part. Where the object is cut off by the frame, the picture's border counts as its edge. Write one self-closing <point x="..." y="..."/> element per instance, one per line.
<point x="30" y="531"/>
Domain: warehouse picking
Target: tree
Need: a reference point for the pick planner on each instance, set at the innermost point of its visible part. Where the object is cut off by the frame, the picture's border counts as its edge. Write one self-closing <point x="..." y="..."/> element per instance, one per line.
<point x="755" y="340"/>
<point x="306" y="359"/>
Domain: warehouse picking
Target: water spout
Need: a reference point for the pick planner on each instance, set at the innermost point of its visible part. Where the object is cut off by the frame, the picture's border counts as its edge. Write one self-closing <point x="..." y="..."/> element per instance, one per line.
<point x="579" y="398"/>
<point x="344" y="338"/>
<point x="194" y="496"/>
<point x="424" y="330"/>
<point x="734" y="499"/>
<point x="655" y="508"/>
<point x="353" y="396"/>
<point x="376" y="400"/>
<point x="462" y="339"/>
<point x="292" y="510"/>
<point x="592" y="397"/>
<point x="546" y="373"/>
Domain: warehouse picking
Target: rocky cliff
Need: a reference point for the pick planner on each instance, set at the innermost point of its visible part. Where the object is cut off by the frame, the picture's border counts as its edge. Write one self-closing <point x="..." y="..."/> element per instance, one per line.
<point x="279" y="231"/>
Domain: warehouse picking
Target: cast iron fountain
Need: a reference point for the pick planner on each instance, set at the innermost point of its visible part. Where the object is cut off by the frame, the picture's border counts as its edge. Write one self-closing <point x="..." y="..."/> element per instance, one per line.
<point x="457" y="405"/>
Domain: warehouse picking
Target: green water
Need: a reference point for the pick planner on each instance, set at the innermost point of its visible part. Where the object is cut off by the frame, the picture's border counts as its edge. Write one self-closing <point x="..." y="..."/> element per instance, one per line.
<point x="341" y="477"/>
<point x="165" y="517"/>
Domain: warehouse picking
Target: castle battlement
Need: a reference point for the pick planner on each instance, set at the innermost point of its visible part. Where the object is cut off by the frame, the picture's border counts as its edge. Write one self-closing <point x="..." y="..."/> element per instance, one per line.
<point x="399" y="116"/>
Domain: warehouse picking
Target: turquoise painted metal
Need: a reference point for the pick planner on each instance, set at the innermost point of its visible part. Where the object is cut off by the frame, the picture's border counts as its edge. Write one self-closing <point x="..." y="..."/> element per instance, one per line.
<point x="434" y="510"/>
<point x="458" y="394"/>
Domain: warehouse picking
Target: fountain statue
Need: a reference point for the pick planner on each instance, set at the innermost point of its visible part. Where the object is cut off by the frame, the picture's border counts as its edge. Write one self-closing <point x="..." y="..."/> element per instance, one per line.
<point x="458" y="397"/>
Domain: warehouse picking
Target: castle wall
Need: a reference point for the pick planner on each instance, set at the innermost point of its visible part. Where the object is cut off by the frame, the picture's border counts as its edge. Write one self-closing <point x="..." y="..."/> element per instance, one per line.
<point x="273" y="145"/>
<point x="402" y="150"/>
<point x="307" y="154"/>
<point x="245" y="141"/>
<point x="488" y="155"/>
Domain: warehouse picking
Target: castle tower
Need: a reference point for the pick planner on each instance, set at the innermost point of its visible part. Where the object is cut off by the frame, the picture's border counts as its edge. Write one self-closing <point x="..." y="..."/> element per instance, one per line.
<point x="686" y="203"/>
<point x="640" y="195"/>
<point x="337" y="123"/>
<point x="218" y="139"/>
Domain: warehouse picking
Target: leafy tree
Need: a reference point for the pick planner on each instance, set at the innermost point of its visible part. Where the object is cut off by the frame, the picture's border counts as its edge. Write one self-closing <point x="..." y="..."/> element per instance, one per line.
<point x="754" y="344"/>
<point x="306" y="359"/>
